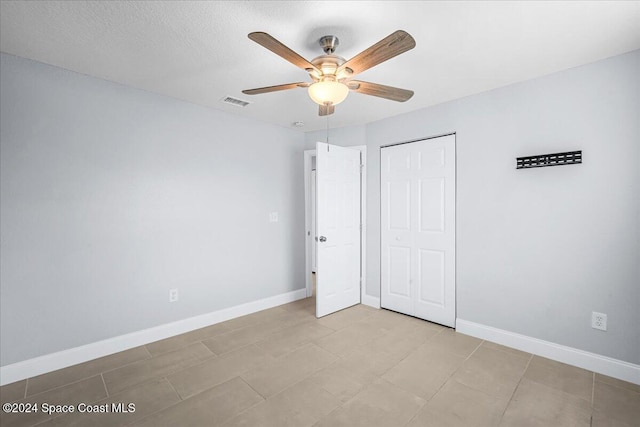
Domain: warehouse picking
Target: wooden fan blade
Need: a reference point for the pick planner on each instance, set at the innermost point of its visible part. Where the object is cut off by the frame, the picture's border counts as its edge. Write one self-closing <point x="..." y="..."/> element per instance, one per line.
<point x="390" y="46"/>
<point x="326" y="110"/>
<point x="279" y="49"/>
<point x="274" y="88"/>
<point x="381" y="91"/>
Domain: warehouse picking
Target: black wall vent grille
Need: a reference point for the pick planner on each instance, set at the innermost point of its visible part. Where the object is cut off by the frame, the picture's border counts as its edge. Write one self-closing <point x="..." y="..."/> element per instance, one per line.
<point x="556" y="159"/>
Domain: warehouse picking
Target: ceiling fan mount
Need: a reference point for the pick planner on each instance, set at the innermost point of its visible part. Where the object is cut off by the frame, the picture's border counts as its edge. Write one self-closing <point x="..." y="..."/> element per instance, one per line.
<point x="331" y="74"/>
<point x="329" y="44"/>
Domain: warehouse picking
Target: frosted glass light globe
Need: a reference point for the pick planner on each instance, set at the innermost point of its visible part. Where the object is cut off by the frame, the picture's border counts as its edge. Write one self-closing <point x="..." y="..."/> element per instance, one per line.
<point x="328" y="92"/>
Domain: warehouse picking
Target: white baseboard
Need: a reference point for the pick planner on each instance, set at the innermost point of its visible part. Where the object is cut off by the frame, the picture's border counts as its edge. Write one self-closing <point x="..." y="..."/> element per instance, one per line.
<point x="583" y="359"/>
<point x="371" y="301"/>
<point x="62" y="359"/>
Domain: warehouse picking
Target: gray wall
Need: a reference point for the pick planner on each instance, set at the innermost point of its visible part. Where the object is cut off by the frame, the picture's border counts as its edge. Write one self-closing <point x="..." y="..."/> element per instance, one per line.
<point x="110" y="196"/>
<point x="345" y="136"/>
<point x="539" y="250"/>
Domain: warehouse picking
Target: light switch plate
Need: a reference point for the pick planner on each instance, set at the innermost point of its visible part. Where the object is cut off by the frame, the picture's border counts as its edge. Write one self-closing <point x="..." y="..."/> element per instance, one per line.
<point x="273" y="217"/>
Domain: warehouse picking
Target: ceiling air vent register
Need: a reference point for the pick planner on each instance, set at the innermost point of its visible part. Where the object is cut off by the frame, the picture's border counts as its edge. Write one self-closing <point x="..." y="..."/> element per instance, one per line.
<point x="235" y="101"/>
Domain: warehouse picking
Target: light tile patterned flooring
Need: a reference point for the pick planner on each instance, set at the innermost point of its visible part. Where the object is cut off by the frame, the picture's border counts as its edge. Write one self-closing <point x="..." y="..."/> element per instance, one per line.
<point x="358" y="367"/>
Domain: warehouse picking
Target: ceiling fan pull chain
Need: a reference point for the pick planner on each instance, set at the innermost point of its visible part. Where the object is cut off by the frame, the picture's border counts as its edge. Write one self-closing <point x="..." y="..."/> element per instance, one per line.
<point x="327" y="139"/>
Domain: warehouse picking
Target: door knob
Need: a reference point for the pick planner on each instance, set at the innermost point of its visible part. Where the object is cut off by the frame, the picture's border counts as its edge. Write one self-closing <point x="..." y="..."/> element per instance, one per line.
<point x="323" y="239"/>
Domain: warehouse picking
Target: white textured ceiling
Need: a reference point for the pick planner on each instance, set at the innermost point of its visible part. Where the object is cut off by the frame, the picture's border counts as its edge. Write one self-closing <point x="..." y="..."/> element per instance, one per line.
<point x="199" y="51"/>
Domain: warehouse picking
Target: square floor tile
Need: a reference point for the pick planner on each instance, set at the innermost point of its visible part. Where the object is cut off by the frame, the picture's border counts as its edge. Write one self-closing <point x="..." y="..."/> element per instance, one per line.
<point x="210" y="408"/>
<point x="274" y="376"/>
<point x="347" y="339"/>
<point x="617" y="403"/>
<point x="563" y="377"/>
<point x="217" y="370"/>
<point x="492" y="371"/>
<point x="425" y="370"/>
<point x="298" y="406"/>
<point x="457" y="405"/>
<point x="291" y="338"/>
<point x="380" y="404"/>
<point x="241" y="337"/>
<point x="537" y="405"/>
<point x="156" y="367"/>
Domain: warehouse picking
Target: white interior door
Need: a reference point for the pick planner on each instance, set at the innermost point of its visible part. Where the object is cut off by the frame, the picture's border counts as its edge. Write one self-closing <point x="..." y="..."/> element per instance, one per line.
<point x="338" y="228"/>
<point x="418" y="229"/>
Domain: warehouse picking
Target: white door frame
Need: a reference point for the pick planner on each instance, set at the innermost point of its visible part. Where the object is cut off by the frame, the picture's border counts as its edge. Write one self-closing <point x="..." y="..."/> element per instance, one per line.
<point x="310" y="234"/>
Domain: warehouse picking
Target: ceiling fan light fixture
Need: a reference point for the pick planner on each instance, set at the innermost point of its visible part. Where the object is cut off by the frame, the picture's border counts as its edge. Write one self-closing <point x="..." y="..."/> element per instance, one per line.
<point x="328" y="92"/>
<point x="331" y="74"/>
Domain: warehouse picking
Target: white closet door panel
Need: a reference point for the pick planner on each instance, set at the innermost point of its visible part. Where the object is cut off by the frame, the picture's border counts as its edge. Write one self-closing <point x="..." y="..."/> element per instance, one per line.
<point x="396" y="218"/>
<point x="435" y="234"/>
<point x="418" y="229"/>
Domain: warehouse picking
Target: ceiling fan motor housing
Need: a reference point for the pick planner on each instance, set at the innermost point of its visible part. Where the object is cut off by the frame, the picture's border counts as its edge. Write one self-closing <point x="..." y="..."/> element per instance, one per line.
<point x="328" y="65"/>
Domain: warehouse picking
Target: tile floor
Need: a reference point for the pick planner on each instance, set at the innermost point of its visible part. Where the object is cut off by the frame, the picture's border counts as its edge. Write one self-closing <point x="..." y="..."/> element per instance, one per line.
<point x="358" y="367"/>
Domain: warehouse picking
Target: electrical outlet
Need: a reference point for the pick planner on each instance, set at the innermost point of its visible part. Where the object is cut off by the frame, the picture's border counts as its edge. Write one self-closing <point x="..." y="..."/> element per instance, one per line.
<point x="599" y="321"/>
<point x="173" y="295"/>
<point x="273" y="217"/>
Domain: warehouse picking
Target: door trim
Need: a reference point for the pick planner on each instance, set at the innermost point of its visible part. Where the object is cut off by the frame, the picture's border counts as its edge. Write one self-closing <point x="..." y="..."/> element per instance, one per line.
<point x="309" y="239"/>
<point x="417" y="140"/>
<point x="308" y="233"/>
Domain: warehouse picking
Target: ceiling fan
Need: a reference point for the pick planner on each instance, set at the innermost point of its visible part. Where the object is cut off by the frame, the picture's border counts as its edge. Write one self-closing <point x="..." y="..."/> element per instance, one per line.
<point x="332" y="75"/>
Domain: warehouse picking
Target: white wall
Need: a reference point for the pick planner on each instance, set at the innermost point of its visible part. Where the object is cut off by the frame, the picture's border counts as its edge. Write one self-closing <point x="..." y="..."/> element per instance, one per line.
<point x="344" y="136"/>
<point x="110" y="196"/>
<point x="539" y="250"/>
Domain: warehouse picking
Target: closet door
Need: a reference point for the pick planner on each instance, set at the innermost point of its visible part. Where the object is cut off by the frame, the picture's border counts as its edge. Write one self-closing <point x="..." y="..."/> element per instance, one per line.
<point x="418" y="229"/>
<point x="397" y="251"/>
